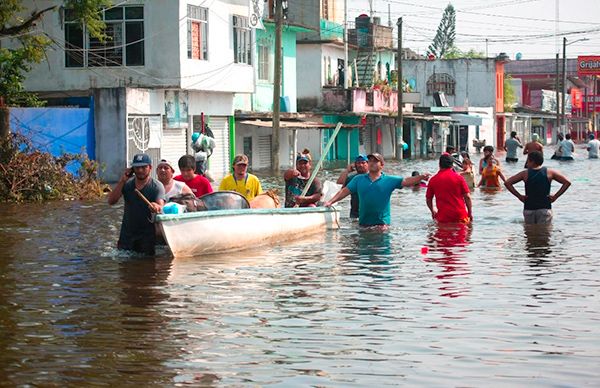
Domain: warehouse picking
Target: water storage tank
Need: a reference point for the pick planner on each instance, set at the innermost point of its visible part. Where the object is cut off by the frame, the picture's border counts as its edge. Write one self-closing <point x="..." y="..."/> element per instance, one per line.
<point x="362" y="30"/>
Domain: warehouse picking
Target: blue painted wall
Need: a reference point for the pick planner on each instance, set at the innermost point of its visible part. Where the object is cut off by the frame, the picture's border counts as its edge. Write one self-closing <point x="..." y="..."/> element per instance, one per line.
<point x="57" y="130"/>
<point x="340" y="149"/>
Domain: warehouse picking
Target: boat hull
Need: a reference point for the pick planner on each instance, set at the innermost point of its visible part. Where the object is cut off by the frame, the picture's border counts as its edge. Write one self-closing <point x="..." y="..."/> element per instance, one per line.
<point x="218" y="231"/>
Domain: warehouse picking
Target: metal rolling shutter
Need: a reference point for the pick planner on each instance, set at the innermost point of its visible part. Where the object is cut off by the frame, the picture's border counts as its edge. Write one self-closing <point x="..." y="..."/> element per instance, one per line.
<point x="366" y="138"/>
<point x="174" y="145"/>
<point x="219" y="160"/>
<point x="264" y="152"/>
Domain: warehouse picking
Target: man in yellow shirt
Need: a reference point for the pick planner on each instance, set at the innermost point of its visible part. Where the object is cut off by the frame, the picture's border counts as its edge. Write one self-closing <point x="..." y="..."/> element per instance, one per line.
<point x="246" y="184"/>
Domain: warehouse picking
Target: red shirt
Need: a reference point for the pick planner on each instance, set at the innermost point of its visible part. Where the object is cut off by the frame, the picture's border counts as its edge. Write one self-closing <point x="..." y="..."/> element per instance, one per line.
<point x="199" y="185"/>
<point x="448" y="188"/>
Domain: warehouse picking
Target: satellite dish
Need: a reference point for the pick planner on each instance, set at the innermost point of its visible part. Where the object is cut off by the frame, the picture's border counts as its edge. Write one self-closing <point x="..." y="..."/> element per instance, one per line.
<point x="518" y="56"/>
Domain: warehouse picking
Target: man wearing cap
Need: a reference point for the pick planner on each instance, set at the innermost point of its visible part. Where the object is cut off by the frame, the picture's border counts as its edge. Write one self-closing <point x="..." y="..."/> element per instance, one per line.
<point x="360" y="166"/>
<point x="451" y="193"/>
<point x="592" y="147"/>
<point x="241" y="181"/>
<point x="173" y="188"/>
<point x="295" y="181"/>
<point x="198" y="183"/>
<point x="374" y="192"/>
<point x="137" y="231"/>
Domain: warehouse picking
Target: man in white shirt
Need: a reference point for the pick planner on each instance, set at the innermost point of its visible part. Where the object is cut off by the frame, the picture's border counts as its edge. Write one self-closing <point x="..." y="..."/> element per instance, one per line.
<point x="567" y="148"/>
<point x="592" y="147"/>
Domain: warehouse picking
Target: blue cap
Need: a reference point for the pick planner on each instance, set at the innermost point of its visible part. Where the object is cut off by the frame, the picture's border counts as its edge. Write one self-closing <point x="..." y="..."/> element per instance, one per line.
<point x="361" y="158"/>
<point x="140" y="160"/>
<point x="302" y="158"/>
<point x="592" y="137"/>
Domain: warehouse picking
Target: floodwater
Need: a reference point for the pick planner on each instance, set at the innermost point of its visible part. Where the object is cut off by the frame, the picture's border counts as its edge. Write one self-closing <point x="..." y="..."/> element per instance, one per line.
<point x="497" y="304"/>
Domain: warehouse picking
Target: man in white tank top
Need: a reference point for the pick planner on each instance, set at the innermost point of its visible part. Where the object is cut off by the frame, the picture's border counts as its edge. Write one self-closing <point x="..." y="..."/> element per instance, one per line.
<point x="165" y="172"/>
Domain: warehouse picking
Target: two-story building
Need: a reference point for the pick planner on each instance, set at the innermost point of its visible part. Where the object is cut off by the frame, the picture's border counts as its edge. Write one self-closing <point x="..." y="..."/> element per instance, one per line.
<point x="470" y="91"/>
<point x="167" y="69"/>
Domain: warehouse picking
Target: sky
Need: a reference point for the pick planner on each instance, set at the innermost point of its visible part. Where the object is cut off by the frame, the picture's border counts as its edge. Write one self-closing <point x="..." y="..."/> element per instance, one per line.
<point x="510" y="26"/>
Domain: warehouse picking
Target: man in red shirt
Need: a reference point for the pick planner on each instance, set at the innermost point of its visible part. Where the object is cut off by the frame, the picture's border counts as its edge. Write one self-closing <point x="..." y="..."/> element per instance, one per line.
<point x="199" y="184"/>
<point x="451" y="193"/>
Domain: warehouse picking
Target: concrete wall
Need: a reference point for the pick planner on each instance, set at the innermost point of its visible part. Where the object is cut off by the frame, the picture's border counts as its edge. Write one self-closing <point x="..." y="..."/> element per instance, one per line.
<point x="306" y="13"/>
<point x="110" y="117"/>
<point x="219" y="72"/>
<point x="309" y="73"/>
<point x="161" y="65"/>
<point x="289" y="69"/>
<point x="475" y="80"/>
<point x="165" y="53"/>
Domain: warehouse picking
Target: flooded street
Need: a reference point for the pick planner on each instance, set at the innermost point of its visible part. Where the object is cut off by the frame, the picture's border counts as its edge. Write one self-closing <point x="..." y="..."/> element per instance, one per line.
<point x="495" y="304"/>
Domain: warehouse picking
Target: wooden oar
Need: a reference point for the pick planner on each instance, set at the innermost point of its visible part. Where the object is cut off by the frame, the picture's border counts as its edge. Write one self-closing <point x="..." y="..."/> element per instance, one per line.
<point x="143" y="198"/>
<point x="320" y="163"/>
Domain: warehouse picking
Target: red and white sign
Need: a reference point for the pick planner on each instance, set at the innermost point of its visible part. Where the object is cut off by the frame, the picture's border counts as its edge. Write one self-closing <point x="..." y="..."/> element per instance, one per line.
<point x="588" y="65"/>
<point x="591" y="103"/>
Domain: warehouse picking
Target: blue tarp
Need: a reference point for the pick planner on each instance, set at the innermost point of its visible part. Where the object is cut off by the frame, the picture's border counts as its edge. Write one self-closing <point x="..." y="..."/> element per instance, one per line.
<point x="57" y="130"/>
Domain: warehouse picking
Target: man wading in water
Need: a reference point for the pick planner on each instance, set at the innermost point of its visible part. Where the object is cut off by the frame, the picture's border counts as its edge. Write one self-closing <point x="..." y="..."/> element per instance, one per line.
<point x="137" y="230"/>
<point x="537" y="199"/>
<point x="374" y="193"/>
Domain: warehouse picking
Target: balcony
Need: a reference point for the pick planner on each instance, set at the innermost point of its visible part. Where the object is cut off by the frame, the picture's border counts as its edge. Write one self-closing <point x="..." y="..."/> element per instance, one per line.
<point x="365" y="100"/>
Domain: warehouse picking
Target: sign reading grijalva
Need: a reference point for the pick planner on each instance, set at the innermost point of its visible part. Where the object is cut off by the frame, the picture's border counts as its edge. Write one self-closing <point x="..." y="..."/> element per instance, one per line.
<point x="588" y="65"/>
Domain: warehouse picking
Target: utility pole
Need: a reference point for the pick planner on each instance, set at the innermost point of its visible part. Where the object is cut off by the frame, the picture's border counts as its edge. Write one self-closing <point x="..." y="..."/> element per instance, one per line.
<point x="557" y="97"/>
<point x="346" y="67"/>
<point x="277" y="86"/>
<point x="399" y="123"/>
<point x="563" y="89"/>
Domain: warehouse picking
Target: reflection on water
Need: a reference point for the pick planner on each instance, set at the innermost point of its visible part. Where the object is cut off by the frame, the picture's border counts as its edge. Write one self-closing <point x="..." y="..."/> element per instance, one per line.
<point x="450" y="242"/>
<point x="538" y="240"/>
<point x="497" y="303"/>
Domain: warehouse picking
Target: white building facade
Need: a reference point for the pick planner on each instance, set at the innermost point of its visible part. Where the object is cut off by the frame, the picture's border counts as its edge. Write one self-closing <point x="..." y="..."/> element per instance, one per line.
<point x="168" y="69"/>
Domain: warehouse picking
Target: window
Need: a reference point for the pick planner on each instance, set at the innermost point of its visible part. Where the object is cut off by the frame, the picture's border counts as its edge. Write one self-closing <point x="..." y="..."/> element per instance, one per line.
<point x="74" y="40"/>
<point x="241" y="40"/>
<point x="325" y="9"/>
<point x="264" y="62"/>
<point x="124" y="44"/>
<point x="441" y="82"/>
<point x="197" y="32"/>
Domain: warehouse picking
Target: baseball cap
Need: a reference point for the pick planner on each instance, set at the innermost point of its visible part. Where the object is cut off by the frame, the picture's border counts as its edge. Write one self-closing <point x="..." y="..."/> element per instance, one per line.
<point x="240" y="159"/>
<point x="376" y="156"/>
<point x="140" y="160"/>
<point x="302" y="158"/>
<point x="165" y="162"/>
<point x="361" y="158"/>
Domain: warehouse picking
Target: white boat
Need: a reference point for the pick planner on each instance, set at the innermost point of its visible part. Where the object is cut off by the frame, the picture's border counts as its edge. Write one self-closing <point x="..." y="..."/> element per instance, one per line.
<point x="218" y="231"/>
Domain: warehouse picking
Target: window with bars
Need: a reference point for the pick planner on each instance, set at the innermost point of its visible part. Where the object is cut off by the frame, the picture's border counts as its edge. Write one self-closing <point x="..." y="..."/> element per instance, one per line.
<point x="264" y="73"/>
<point x="242" y="43"/>
<point x="441" y="82"/>
<point x="124" y="44"/>
<point x="197" y="32"/>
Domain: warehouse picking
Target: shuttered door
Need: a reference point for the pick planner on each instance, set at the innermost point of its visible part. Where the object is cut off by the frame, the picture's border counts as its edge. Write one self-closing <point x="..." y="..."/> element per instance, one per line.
<point x="366" y="138"/>
<point x="219" y="160"/>
<point x="174" y="145"/>
<point x="264" y="152"/>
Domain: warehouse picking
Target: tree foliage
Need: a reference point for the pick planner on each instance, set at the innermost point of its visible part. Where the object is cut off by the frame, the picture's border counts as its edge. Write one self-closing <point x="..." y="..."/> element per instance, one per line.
<point x="28" y="44"/>
<point x="445" y="35"/>
<point x="456" y="53"/>
<point x="510" y="97"/>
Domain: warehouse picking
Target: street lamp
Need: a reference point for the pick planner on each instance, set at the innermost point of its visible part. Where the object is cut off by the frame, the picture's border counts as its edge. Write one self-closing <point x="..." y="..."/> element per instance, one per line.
<point x="563" y="121"/>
